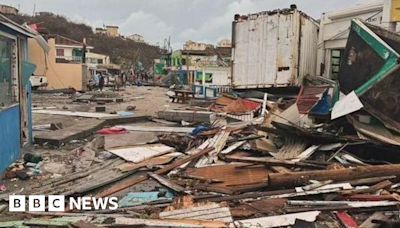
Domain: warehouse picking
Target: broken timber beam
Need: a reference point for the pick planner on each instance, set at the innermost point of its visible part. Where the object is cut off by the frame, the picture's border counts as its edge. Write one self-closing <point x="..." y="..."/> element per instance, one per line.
<point x="272" y="161"/>
<point x="298" y="178"/>
<point x="127" y="183"/>
<point x="167" y="183"/>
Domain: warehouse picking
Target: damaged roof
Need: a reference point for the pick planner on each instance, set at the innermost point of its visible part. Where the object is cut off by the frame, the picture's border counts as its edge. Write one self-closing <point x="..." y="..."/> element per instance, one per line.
<point x="65" y="41"/>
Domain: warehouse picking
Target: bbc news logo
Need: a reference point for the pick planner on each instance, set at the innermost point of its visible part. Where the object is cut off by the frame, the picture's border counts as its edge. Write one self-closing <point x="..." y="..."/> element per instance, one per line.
<point x="57" y="203"/>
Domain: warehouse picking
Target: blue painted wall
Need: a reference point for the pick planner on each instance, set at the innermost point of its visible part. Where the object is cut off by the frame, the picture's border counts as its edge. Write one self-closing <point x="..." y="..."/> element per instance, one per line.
<point x="27" y="71"/>
<point x="9" y="136"/>
<point x="10" y="141"/>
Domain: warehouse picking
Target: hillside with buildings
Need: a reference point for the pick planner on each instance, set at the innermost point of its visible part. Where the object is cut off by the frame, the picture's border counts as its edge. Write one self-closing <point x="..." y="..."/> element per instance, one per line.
<point x="124" y="51"/>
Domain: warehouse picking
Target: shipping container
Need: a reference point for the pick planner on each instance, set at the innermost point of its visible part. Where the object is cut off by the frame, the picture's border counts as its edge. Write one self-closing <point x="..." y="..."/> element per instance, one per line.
<point x="273" y="48"/>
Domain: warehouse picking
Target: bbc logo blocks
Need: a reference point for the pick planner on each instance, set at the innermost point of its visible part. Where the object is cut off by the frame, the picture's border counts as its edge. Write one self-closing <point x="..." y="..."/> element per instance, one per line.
<point x="57" y="203"/>
<point x="36" y="203"/>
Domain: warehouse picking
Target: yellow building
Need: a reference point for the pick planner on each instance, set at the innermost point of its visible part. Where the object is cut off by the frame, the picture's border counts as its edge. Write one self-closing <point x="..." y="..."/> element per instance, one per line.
<point x="62" y="65"/>
<point x="112" y="31"/>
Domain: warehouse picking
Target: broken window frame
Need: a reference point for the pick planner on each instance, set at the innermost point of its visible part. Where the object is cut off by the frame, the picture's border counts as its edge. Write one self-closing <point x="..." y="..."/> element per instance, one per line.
<point x="13" y="97"/>
<point x="383" y="50"/>
<point x="335" y="73"/>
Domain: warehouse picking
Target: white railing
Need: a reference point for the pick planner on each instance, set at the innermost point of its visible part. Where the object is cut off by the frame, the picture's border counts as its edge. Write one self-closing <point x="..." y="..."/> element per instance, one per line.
<point x="68" y="59"/>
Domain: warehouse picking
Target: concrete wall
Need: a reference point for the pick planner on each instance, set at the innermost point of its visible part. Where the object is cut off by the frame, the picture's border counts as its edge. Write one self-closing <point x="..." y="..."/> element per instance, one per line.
<point x="59" y="75"/>
<point x="9" y="136"/>
<point x="220" y="75"/>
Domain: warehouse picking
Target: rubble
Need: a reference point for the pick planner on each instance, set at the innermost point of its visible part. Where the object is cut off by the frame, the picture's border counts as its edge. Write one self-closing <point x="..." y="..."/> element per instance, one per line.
<point x="267" y="172"/>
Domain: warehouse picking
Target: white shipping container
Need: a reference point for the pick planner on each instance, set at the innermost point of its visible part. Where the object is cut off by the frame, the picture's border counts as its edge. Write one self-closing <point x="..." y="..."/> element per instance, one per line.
<point x="276" y="48"/>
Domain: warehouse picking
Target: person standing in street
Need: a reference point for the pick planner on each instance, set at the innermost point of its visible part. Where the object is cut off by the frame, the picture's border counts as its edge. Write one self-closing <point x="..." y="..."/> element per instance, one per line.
<point x="101" y="81"/>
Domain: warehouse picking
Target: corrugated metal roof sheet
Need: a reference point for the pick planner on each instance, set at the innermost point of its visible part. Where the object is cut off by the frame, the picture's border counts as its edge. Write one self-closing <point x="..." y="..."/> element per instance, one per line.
<point x="309" y="97"/>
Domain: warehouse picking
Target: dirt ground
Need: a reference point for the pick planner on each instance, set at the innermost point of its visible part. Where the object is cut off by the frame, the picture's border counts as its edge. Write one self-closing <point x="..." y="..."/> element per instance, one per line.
<point x="147" y="99"/>
<point x="58" y="160"/>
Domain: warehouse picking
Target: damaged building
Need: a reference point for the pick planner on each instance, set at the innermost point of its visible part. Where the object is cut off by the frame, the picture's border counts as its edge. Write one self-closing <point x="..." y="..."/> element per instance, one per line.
<point x="241" y="134"/>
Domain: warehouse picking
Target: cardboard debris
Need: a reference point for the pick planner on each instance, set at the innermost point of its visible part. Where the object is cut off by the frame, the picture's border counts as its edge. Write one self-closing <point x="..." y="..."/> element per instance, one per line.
<point x="137" y="154"/>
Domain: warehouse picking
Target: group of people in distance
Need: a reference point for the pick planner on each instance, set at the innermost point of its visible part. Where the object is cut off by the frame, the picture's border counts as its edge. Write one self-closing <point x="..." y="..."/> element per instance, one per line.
<point x="100" y="79"/>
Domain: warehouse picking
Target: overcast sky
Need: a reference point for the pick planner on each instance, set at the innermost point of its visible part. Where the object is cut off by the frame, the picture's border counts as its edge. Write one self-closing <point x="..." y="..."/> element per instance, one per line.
<point x="200" y="20"/>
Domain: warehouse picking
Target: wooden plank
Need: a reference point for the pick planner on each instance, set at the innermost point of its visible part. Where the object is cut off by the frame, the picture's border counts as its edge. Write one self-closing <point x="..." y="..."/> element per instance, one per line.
<point x="305" y="193"/>
<point x="278" y="220"/>
<point x="272" y="161"/>
<point x="346" y="220"/>
<point x="230" y="174"/>
<point x="280" y="169"/>
<point x="277" y="194"/>
<point x="157" y="129"/>
<point x="315" y="185"/>
<point x="218" y="142"/>
<point x="386" y="184"/>
<point x="171" y="223"/>
<point x="355" y="204"/>
<point x="140" y="153"/>
<point x="212" y="212"/>
<point x="376" y="131"/>
<point x="305" y="154"/>
<point x="379" y="215"/>
<point x="344" y="186"/>
<point x="369" y="181"/>
<point x="340" y="208"/>
<point x="160" y="160"/>
<point x="167" y="183"/>
<point x="132" y="181"/>
<point x="268" y="206"/>
<point x="71" y="113"/>
<point x="233" y="147"/>
<point x="299" y="178"/>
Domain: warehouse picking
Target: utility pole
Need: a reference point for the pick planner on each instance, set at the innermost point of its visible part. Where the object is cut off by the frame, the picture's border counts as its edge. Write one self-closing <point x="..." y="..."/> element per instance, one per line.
<point x="84" y="51"/>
